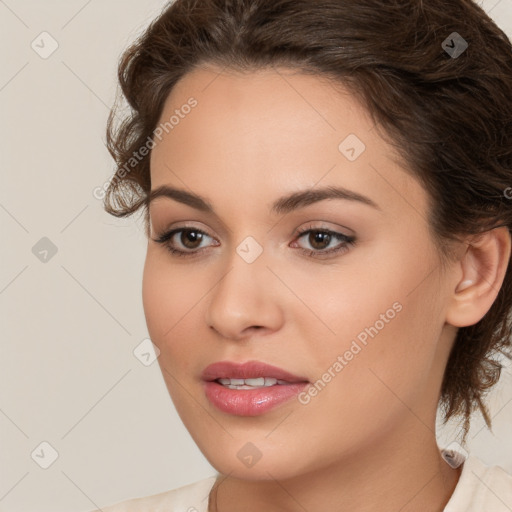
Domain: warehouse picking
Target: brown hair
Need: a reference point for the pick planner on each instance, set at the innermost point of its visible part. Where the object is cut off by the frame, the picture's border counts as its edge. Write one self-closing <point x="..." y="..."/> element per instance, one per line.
<point x="448" y="116"/>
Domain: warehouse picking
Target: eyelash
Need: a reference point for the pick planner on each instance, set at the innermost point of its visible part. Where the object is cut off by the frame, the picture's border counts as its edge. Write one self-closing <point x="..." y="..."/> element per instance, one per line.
<point x="347" y="241"/>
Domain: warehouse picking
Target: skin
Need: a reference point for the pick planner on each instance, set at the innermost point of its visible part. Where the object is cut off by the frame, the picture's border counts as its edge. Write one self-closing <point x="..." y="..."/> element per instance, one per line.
<point x="366" y="442"/>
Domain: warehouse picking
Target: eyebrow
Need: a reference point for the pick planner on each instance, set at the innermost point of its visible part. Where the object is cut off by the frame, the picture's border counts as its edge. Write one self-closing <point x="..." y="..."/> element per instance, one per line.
<point x="283" y="205"/>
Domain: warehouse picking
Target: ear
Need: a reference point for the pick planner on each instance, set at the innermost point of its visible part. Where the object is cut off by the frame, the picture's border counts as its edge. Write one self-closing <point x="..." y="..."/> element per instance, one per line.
<point x="480" y="274"/>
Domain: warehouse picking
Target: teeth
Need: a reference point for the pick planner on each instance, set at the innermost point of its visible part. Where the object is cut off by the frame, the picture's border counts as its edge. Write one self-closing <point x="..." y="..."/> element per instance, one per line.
<point x="255" y="382"/>
<point x="259" y="382"/>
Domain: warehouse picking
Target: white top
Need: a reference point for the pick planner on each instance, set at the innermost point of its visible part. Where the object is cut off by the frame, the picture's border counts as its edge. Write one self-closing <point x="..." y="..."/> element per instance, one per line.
<point x="480" y="489"/>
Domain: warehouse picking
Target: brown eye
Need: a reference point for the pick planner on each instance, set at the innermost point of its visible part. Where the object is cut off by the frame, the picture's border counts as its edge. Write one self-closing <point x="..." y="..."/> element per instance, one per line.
<point x="184" y="241"/>
<point x="191" y="239"/>
<point x="320" y="242"/>
<point x="319" y="239"/>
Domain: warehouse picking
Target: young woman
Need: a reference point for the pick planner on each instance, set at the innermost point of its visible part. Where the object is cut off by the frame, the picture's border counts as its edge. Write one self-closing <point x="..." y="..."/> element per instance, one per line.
<point x="327" y="195"/>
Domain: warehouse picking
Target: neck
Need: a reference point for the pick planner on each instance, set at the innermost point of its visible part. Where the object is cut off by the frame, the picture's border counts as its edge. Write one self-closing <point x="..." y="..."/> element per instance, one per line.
<point x="405" y="473"/>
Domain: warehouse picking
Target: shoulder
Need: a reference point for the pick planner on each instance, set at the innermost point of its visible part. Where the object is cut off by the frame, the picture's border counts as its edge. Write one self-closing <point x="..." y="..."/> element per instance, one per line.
<point x="481" y="487"/>
<point x="189" y="498"/>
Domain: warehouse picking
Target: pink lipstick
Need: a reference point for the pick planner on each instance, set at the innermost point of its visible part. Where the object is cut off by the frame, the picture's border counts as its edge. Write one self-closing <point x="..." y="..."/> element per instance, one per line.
<point x="251" y="388"/>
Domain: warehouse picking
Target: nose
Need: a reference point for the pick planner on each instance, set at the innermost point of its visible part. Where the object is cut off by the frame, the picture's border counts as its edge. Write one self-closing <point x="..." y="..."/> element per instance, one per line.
<point x="245" y="300"/>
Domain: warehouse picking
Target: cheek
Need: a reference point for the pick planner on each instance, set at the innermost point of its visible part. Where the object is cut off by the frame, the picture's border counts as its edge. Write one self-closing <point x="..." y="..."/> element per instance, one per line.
<point x="154" y="297"/>
<point x="166" y="296"/>
<point x="172" y="304"/>
<point x="385" y="329"/>
<point x="372" y="375"/>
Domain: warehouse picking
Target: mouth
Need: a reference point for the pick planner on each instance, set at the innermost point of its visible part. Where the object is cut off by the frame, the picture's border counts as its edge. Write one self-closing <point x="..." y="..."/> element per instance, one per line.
<point x="250" y="372"/>
<point x="251" y="388"/>
<point x="254" y="383"/>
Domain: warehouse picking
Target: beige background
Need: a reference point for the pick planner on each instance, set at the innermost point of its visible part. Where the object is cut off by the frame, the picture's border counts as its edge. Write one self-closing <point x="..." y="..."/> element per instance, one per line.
<point x="68" y="373"/>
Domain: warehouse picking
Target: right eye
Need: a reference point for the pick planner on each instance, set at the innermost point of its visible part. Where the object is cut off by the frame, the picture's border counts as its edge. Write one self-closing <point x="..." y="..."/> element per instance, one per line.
<point x="189" y="238"/>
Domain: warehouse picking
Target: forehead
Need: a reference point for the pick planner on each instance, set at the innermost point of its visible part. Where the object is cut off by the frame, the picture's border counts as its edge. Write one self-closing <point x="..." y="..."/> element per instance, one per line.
<point x="273" y="129"/>
<point x="243" y="103"/>
<point x="275" y="108"/>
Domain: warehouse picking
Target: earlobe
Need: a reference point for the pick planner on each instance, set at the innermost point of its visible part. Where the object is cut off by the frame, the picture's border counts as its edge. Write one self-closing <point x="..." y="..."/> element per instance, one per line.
<point x="483" y="266"/>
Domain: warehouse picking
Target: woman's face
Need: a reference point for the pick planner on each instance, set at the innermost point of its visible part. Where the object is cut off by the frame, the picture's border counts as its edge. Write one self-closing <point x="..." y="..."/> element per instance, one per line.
<point x="346" y="293"/>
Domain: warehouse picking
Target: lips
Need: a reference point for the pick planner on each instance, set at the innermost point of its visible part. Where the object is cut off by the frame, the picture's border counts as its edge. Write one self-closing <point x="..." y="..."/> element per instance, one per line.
<point x="248" y="370"/>
<point x="240" y="400"/>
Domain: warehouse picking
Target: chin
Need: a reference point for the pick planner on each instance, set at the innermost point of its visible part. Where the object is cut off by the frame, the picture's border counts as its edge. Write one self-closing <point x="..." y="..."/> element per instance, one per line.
<point x="255" y="461"/>
<point x="268" y="470"/>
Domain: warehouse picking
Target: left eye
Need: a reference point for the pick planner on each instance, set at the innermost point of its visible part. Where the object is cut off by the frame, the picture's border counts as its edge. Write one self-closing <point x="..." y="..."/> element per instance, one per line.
<point x="321" y="241"/>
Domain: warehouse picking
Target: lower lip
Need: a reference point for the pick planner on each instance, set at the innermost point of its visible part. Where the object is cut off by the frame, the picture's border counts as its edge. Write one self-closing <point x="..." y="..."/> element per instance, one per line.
<point x="251" y="402"/>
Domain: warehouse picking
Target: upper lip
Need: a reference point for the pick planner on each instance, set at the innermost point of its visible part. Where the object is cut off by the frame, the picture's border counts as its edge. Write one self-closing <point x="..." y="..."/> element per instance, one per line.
<point x="247" y="370"/>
